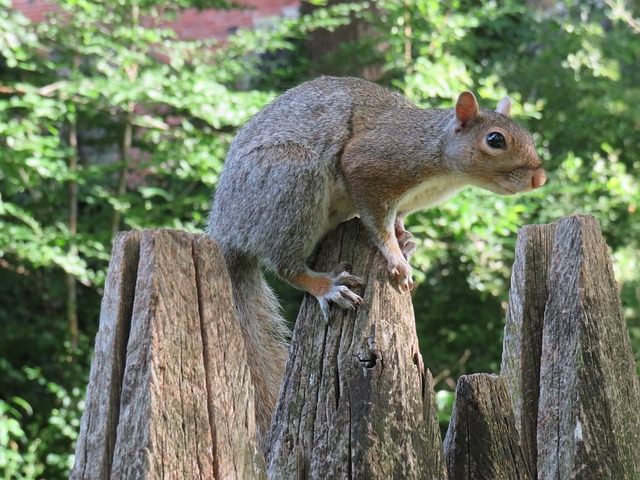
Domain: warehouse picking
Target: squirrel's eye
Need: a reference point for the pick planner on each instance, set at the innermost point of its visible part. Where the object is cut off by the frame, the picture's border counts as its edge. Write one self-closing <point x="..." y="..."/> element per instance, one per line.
<point x="496" y="140"/>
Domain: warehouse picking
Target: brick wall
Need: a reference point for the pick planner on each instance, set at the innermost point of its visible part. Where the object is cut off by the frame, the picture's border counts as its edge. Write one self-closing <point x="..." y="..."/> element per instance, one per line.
<point x="195" y="25"/>
<point x="36" y="11"/>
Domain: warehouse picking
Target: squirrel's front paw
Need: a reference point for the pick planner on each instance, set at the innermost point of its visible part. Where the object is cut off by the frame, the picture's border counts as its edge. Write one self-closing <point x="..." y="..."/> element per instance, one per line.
<point x="404" y="240"/>
<point x="408" y="249"/>
<point x="401" y="273"/>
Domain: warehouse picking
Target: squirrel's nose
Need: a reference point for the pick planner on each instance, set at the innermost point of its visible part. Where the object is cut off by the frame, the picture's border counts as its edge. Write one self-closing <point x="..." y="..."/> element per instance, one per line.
<point x="538" y="178"/>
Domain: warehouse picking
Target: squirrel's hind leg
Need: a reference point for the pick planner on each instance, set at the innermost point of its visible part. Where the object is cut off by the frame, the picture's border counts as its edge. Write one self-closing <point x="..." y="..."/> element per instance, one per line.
<point x="328" y="287"/>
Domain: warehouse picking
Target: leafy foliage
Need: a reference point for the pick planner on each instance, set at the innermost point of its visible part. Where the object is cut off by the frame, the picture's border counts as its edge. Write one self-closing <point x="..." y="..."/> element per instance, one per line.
<point x="89" y="103"/>
<point x="108" y="122"/>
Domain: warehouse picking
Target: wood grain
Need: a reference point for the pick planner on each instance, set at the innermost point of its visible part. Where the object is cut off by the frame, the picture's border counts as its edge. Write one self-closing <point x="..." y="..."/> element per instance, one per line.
<point x="482" y="440"/>
<point x="170" y="394"/>
<point x="589" y="410"/>
<point x="96" y="441"/>
<point x="356" y="401"/>
<point x="522" y="345"/>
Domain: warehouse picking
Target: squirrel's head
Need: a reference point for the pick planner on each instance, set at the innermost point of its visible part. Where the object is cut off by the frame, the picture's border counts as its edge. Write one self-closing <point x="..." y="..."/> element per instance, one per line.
<point x="491" y="149"/>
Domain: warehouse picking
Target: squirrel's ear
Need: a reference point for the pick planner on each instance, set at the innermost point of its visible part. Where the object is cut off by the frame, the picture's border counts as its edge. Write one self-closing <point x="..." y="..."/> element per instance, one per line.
<point x="466" y="108"/>
<point x="504" y="107"/>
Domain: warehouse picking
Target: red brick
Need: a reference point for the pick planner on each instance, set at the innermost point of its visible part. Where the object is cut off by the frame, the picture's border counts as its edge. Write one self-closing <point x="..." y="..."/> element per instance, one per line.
<point x="192" y="25"/>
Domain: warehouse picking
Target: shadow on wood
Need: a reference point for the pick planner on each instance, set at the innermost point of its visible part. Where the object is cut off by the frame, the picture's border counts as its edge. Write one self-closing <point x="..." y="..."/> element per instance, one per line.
<point x="482" y="440"/>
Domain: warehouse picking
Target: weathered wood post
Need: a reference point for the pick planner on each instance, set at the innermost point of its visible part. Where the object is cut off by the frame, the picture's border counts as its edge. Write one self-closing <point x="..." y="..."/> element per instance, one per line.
<point x="567" y="356"/>
<point x="482" y="440"/>
<point x="522" y="348"/>
<point x="568" y="365"/>
<point x="356" y="401"/>
<point x="169" y="394"/>
<point x="589" y="408"/>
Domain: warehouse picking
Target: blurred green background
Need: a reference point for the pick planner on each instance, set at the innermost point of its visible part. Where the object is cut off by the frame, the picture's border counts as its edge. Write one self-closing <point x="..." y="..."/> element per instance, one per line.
<point x="109" y="122"/>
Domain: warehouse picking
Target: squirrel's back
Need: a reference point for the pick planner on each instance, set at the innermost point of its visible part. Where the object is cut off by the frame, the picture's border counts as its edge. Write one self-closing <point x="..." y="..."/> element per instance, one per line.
<point x="320" y="115"/>
<point x="284" y="164"/>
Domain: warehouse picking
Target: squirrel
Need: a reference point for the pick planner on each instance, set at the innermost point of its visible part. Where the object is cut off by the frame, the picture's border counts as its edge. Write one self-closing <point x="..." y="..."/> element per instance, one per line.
<point x="329" y="150"/>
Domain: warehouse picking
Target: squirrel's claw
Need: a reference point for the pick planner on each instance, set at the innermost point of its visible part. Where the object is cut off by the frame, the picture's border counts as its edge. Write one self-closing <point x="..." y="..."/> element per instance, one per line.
<point x="403" y="236"/>
<point x="345" y="278"/>
<point x="345" y="298"/>
<point x="402" y="275"/>
<point x="339" y="293"/>
<point x="405" y="284"/>
<point x="341" y="296"/>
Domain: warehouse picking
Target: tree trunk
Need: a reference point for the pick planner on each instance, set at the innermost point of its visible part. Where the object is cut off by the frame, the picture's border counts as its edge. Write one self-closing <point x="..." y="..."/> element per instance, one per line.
<point x="349" y="49"/>
<point x="70" y="280"/>
<point x="356" y="400"/>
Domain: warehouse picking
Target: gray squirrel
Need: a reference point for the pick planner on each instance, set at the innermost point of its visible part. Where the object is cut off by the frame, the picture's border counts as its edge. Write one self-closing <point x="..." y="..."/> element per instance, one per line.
<point x="332" y="149"/>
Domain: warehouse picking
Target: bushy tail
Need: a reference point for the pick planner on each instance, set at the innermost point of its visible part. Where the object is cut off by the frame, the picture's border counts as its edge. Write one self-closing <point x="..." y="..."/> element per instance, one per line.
<point x="265" y="335"/>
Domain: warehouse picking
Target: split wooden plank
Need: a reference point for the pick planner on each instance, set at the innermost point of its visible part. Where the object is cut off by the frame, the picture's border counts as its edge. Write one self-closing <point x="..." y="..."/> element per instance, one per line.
<point x="96" y="442"/>
<point x="229" y="389"/>
<point x="523" y="331"/>
<point x="482" y="440"/>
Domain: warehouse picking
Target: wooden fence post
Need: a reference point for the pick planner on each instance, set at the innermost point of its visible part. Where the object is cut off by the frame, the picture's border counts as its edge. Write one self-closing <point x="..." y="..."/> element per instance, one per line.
<point x="589" y="409"/>
<point x="522" y="346"/>
<point x="167" y="397"/>
<point x="356" y="401"/>
<point x="482" y="440"/>
<point x="567" y="356"/>
<point x="97" y="438"/>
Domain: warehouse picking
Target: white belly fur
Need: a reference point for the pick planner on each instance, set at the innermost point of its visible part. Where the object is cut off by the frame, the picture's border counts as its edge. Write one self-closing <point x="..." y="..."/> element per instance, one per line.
<point x="339" y="207"/>
<point x="429" y="193"/>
